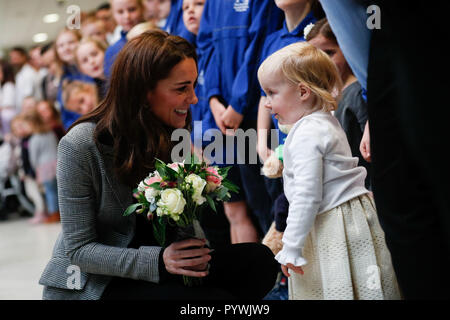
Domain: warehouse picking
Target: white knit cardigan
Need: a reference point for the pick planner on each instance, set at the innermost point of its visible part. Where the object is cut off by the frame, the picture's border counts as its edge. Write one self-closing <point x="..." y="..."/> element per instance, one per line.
<point x="319" y="174"/>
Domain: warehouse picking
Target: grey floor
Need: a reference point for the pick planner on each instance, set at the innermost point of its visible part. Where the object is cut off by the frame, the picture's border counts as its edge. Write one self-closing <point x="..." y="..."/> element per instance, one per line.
<point x="24" y="251"/>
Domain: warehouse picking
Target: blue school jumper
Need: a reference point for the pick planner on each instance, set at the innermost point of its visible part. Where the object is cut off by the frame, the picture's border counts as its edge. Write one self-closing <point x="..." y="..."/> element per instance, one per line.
<point x="71" y="73"/>
<point x="278" y="40"/>
<point x="238" y="31"/>
<point x="201" y="117"/>
<point x="112" y="51"/>
<point x="231" y="34"/>
<point x="175" y="25"/>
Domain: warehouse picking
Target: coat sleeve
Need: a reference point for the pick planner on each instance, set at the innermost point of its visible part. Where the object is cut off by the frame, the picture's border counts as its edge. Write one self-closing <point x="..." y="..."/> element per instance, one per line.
<point x="78" y="208"/>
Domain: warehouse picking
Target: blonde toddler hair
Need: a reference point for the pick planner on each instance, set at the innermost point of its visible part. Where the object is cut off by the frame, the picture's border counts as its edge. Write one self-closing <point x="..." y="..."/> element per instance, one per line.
<point x="301" y="62"/>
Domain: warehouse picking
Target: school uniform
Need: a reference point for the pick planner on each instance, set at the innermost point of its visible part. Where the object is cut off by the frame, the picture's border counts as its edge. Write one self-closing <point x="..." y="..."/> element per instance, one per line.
<point x="175" y="24"/>
<point x="234" y="31"/>
<point x="71" y="73"/>
<point x="238" y="31"/>
<point x="112" y="51"/>
<point x="352" y="115"/>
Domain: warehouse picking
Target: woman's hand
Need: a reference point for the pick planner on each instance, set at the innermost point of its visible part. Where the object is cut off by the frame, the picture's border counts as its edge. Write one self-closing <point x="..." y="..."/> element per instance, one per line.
<point x="188" y="262"/>
<point x="285" y="268"/>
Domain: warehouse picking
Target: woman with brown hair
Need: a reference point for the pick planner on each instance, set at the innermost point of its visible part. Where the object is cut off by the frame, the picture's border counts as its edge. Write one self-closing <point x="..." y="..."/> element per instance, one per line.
<point x="102" y="254"/>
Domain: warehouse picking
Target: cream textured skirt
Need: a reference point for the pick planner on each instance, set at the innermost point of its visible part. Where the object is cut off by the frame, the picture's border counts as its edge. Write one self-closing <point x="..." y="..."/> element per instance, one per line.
<point x="347" y="257"/>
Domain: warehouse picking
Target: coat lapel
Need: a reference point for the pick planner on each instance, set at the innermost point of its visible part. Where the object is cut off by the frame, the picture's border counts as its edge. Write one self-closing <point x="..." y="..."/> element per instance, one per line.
<point x="122" y="193"/>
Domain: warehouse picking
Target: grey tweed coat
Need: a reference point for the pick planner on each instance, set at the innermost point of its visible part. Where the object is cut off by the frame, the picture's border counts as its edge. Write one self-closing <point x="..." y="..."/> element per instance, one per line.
<point x="92" y="247"/>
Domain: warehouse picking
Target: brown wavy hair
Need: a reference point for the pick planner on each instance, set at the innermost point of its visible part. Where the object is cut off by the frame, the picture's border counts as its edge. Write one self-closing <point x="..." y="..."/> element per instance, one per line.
<point x="322" y="27"/>
<point x="138" y="136"/>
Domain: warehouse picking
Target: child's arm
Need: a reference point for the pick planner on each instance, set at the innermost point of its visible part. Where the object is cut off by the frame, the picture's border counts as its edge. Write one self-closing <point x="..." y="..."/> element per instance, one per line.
<point x="217" y="110"/>
<point x="304" y="181"/>
<point x="263" y="127"/>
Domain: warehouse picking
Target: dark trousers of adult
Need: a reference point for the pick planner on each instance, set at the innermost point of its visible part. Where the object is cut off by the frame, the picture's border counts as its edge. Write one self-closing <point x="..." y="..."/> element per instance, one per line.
<point x="408" y="116"/>
<point x="245" y="271"/>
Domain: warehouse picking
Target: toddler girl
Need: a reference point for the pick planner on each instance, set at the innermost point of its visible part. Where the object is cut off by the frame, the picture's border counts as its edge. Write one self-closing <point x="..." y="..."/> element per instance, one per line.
<point x="42" y="149"/>
<point x="333" y="241"/>
<point x="21" y="130"/>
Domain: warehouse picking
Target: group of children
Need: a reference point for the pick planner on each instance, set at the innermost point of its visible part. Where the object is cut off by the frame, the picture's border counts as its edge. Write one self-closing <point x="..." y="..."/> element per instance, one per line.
<point x="261" y="65"/>
<point x="33" y="137"/>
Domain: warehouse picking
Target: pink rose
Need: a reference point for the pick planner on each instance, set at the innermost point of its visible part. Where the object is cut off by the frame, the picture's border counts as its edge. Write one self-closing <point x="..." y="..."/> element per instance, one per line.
<point x="213" y="179"/>
<point x="174" y="165"/>
<point x="150" y="181"/>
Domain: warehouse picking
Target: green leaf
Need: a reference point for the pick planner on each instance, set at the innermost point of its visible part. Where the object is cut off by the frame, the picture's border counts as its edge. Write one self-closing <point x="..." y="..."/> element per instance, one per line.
<point x="156" y="185"/>
<point x="131" y="209"/>
<point x="230" y="186"/>
<point x="222" y="192"/>
<point x="159" y="230"/>
<point x="224" y="171"/>
<point x="142" y="198"/>
<point x="211" y="202"/>
<point x="172" y="174"/>
<point x="161" y="168"/>
<point x="203" y="175"/>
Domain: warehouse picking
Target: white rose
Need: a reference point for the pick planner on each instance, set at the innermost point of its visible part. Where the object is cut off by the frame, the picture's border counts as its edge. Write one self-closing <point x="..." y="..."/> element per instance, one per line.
<point x="171" y="203"/>
<point x="198" y="198"/>
<point x="198" y="184"/>
<point x="141" y="187"/>
<point x="151" y="194"/>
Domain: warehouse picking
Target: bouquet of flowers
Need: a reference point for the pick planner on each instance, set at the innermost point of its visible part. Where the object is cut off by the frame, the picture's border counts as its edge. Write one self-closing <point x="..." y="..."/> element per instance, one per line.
<point x="175" y="194"/>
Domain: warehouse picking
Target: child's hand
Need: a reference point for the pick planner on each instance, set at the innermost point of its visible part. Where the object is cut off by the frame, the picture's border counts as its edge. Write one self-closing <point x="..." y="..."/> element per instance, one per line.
<point x="231" y="118"/>
<point x="285" y="268"/>
<point x="364" y="147"/>
<point x="263" y="151"/>
<point x="218" y="110"/>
